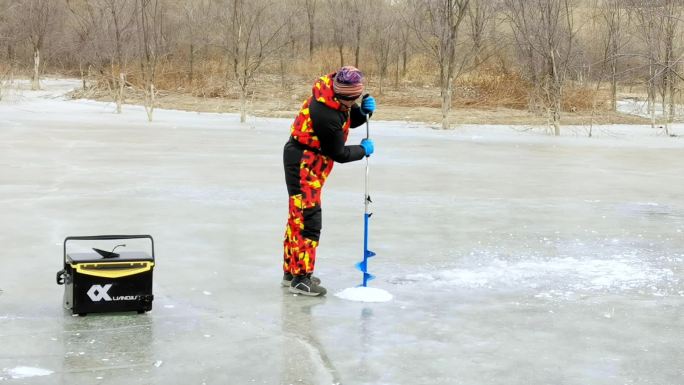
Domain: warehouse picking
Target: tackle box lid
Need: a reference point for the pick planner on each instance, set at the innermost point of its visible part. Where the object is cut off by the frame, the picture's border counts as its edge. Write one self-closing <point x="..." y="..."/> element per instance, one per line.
<point x="124" y="256"/>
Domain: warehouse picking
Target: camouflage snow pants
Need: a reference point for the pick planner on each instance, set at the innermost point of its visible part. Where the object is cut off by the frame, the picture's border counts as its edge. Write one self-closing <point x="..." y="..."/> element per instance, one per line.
<point x="305" y="173"/>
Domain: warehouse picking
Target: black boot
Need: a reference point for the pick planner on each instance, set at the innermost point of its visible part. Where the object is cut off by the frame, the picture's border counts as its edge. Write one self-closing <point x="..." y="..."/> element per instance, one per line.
<point x="304" y="285"/>
<point x="287" y="280"/>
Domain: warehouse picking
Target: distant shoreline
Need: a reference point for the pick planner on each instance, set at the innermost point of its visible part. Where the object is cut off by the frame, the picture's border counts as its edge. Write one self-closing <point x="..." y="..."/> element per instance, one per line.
<point x="278" y="104"/>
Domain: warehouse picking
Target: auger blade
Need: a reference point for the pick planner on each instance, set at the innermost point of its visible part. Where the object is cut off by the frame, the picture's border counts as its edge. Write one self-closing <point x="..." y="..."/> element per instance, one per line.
<point x="368" y="277"/>
<point x="369" y="254"/>
<point x="361" y="266"/>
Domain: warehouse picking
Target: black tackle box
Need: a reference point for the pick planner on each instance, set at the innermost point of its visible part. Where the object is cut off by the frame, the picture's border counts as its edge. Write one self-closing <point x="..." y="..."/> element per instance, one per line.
<point x="102" y="281"/>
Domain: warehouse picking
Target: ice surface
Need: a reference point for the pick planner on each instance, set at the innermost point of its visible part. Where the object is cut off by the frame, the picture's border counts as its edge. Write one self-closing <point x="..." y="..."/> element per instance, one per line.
<point x="513" y="257"/>
<point x="25" y="372"/>
<point x="365" y="294"/>
<point x="584" y="275"/>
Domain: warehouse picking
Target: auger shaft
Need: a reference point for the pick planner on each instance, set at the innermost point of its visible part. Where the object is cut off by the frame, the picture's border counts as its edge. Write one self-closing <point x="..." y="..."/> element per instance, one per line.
<point x="363" y="266"/>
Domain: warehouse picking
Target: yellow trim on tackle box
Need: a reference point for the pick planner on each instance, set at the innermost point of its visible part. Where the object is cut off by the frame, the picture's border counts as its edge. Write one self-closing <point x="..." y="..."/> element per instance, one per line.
<point x="114" y="269"/>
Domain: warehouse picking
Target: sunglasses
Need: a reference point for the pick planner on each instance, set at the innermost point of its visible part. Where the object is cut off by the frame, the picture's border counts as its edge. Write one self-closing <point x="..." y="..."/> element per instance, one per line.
<point x="348" y="98"/>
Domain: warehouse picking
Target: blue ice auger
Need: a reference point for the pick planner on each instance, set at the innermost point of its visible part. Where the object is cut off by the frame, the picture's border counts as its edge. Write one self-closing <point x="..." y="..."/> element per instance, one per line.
<point x="363" y="265"/>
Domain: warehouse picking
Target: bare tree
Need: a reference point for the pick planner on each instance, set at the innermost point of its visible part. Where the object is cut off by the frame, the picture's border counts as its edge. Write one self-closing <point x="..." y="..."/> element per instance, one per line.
<point x="123" y="16"/>
<point x="104" y="30"/>
<point x="544" y="32"/>
<point x="613" y="18"/>
<point x="5" y="33"/>
<point x="405" y="35"/>
<point x="310" y="9"/>
<point x="287" y="56"/>
<point x="196" y="17"/>
<point x="38" y="20"/>
<point x="437" y="25"/>
<point x="482" y="30"/>
<point x="253" y="41"/>
<point x="83" y="25"/>
<point x="357" y="19"/>
<point x="338" y="20"/>
<point x="609" y="19"/>
<point x="149" y="19"/>
<point x="671" y="17"/>
<point x="660" y="20"/>
<point x="383" y="42"/>
<point x="6" y="38"/>
<point x="231" y="33"/>
<point x="649" y="30"/>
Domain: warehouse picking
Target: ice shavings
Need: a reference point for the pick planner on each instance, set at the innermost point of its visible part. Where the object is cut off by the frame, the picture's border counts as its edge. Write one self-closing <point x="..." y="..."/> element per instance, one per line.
<point x="26" y="372"/>
<point x="365" y="294"/>
<point x="554" y="277"/>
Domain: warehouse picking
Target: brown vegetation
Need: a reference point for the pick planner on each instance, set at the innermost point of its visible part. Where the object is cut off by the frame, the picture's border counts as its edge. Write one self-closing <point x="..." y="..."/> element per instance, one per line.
<point x="444" y="62"/>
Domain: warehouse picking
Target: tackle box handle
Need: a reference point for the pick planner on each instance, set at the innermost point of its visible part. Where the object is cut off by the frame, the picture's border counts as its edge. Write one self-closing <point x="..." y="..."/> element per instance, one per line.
<point x="105" y="238"/>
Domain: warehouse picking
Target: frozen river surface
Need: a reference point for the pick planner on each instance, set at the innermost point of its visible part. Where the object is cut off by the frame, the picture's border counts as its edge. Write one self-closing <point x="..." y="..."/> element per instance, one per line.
<point x="513" y="257"/>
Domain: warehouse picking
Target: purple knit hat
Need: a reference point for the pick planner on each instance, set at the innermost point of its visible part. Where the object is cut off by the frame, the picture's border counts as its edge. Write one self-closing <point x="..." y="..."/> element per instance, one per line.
<point x="348" y="82"/>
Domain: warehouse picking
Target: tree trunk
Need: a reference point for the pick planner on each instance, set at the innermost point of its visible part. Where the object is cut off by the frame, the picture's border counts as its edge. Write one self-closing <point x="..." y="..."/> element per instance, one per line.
<point x="651" y="96"/>
<point x="117" y="35"/>
<point x="83" y="79"/>
<point x="670" y="30"/>
<point x="557" y="94"/>
<point x="532" y="73"/>
<point x="120" y="94"/>
<point x="613" y="85"/>
<point x="340" y="48"/>
<point x="35" y="80"/>
<point x="446" y="103"/>
<point x="672" y="92"/>
<point x="311" y="14"/>
<point x="226" y="79"/>
<point x="663" y="105"/>
<point x="149" y="105"/>
<point x="669" y="89"/>
<point x="192" y="64"/>
<point x="357" y="49"/>
<point x="282" y="72"/>
<point x="556" y="116"/>
<point x="404" y="60"/>
<point x="396" y="74"/>
<point x="243" y="105"/>
<point x="311" y="39"/>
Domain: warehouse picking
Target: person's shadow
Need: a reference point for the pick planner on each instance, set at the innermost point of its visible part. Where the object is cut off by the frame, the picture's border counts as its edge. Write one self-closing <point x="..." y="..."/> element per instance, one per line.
<point x="305" y="360"/>
<point x="365" y="370"/>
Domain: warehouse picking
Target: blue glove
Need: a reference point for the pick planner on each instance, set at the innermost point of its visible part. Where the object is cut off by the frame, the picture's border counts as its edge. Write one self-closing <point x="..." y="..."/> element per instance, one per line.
<point x="367" y="145"/>
<point x="367" y="105"/>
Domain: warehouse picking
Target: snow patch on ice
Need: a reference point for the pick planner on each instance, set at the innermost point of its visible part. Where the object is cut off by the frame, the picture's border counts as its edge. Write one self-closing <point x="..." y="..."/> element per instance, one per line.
<point x="26" y="372"/>
<point x="365" y="294"/>
<point x="552" y="277"/>
<point x="638" y="107"/>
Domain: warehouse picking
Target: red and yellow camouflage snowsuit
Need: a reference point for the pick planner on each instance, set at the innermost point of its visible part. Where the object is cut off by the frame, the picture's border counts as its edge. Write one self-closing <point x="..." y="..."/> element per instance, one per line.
<point x="317" y="139"/>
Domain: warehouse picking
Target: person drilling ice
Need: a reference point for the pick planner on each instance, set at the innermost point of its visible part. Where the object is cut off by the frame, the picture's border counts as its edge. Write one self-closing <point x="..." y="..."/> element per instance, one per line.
<point x="317" y="140"/>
